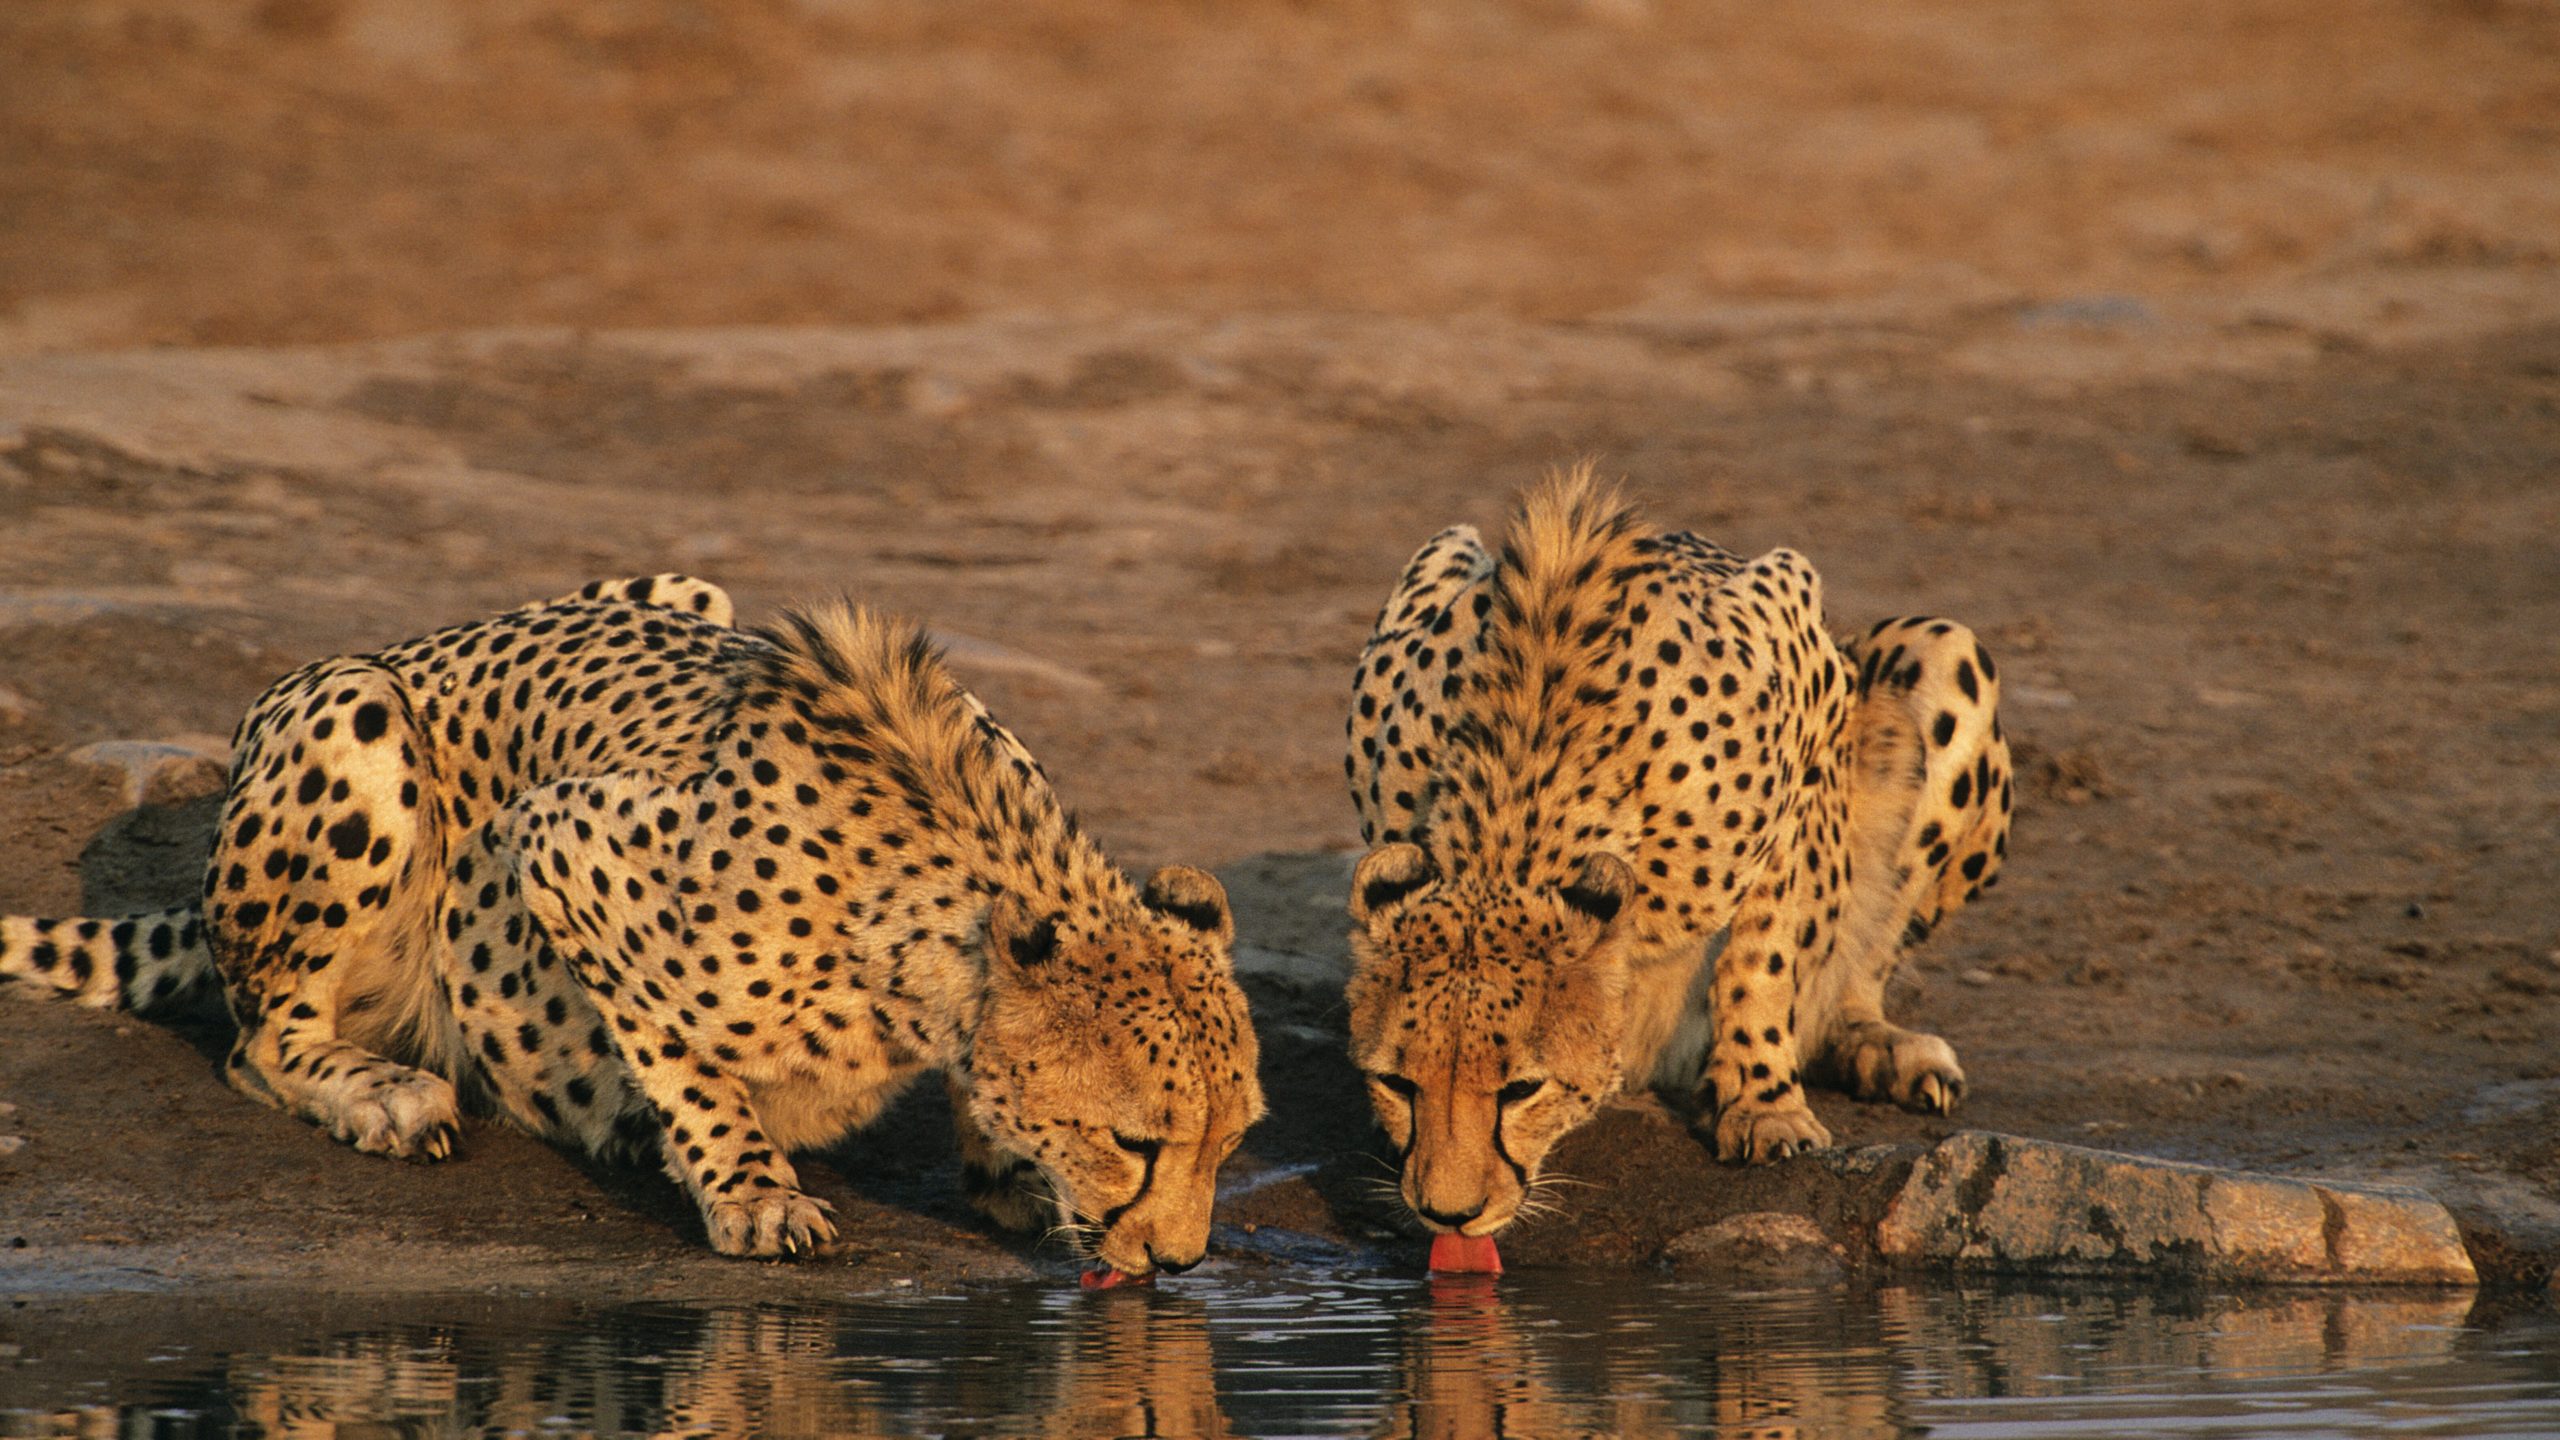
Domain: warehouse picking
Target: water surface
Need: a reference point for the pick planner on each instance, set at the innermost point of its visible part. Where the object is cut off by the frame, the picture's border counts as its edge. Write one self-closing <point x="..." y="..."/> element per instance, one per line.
<point x="1250" y="1354"/>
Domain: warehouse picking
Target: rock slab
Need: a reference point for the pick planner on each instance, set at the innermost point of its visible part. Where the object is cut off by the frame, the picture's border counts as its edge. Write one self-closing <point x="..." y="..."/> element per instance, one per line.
<point x="1986" y="1202"/>
<point x="1759" y="1247"/>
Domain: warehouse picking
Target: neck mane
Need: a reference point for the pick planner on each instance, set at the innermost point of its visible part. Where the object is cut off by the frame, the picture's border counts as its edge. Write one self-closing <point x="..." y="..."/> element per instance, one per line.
<point x="870" y="695"/>
<point x="1504" y="804"/>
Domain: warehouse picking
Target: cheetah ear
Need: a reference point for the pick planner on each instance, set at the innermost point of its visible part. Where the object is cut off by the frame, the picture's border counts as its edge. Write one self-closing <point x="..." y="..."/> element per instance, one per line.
<point x="1600" y="888"/>
<point x="1017" y="938"/>
<point x="1193" y="897"/>
<point x="1389" y="874"/>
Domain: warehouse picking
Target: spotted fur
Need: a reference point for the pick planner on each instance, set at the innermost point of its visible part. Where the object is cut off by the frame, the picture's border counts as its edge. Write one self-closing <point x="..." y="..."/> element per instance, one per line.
<point x="629" y="876"/>
<point x="1638" y="819"/>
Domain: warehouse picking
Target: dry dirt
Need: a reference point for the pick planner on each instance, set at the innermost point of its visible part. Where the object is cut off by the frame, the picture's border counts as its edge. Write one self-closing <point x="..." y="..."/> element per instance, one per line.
<point x="2205" y="358"/>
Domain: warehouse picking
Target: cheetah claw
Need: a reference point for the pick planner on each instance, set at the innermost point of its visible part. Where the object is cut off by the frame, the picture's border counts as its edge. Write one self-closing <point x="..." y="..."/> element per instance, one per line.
<point x="1937" y="1094"/>
<point x="438" y="1143"/>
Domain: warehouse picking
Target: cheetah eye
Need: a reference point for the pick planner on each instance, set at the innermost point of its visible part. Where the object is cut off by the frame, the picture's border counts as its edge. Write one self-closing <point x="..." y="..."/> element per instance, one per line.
<point x="1400" y="1085"/>
<point x="1143" y="1149"/>
<point x="1517" y="1091"/>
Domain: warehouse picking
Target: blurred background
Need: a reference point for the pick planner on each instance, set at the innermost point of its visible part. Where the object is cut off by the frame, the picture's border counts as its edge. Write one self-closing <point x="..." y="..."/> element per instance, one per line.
<point x="220" y="172"/>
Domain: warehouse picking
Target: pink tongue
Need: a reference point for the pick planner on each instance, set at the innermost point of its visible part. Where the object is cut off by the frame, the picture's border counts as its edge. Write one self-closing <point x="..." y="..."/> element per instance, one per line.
<point x="1106" y="1278"/>
<point x="1464" y="1255"/>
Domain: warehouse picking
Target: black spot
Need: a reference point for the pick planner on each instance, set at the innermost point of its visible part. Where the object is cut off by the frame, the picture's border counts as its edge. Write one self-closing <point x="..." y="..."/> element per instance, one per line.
<point x="371" y="720"/>
<point x="350" y="836"/>
<point x="1036" y="945"/>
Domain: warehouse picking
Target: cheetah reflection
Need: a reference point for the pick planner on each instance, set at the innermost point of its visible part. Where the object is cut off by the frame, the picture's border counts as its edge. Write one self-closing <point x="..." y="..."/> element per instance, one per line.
<point x="1467" y="1359"/>
<point x="1476" y="1360"/>
<point x="1476" y="1364"/>
<point x="1136" y="1365"/>
<point x="742" y="1371"/>
<point x="1031" y="1362"/>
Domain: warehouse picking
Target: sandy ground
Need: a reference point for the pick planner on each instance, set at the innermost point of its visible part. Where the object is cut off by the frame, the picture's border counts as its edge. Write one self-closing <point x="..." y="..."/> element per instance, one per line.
<point x="2207" y="363"/>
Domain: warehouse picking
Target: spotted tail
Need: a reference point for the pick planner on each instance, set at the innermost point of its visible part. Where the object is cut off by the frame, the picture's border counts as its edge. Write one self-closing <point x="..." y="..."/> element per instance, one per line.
<point x="131" y="962"/>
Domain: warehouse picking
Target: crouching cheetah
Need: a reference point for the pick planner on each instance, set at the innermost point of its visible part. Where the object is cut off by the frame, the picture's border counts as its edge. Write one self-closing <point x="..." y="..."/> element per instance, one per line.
<point x="1638" y="820"/>
<point x="630" y="876"/>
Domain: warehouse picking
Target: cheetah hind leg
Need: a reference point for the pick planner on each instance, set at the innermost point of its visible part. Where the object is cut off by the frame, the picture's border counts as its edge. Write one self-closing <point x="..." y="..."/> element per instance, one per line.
<point x="378" y="1106"/>
<point x="319" y="924"/>
<point x="1928" y="825"/>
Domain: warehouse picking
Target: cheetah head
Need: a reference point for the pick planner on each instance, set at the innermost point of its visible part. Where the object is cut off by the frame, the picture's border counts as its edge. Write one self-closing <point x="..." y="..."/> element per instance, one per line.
<point x="1113" y="1050"/>
<point x="1487" y="1019"/>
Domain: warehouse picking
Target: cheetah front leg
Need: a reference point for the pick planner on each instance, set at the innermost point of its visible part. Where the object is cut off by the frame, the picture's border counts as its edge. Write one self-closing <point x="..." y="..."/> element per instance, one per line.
<point x="583" y="852"/>
<point x="530" y="1034"/>
<point x="1007" y="1188"/>
<point x="319" y="913"/>
<point x="749" y="1196"/>
<point x="1752" y="1090"/>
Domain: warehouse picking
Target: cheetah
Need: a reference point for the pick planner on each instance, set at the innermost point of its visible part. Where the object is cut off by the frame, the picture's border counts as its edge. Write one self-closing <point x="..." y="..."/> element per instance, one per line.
<point x="637" y="880"/>
<point x="1636" y="820"/>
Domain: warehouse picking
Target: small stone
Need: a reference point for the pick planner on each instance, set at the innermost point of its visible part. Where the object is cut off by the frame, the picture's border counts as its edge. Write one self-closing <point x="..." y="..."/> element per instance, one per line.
<point x="987" y="657"/>
<point x="12" y="1144"/>
<point x="158" y="772"/>
<point x="1762" y="1247"/>
<point x="2217" y="444"/>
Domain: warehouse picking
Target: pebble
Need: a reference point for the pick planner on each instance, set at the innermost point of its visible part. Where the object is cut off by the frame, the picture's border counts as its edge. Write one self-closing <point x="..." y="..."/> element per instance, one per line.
<point x="157" y="772"/>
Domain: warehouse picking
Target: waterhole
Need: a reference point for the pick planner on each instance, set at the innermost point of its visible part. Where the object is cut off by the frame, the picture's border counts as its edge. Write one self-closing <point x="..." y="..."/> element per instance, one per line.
<point x="1530" y="1355"/>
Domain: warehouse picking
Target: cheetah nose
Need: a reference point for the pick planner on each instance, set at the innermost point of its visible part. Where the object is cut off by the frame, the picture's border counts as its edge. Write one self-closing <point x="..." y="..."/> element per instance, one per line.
<point x="1447" y="1219"/>
<point x="1172" y="1267"/>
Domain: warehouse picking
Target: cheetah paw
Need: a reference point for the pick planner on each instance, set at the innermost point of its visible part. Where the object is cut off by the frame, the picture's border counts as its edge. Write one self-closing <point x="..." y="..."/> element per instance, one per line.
<point x="1760" y="1132"/>
<point x="1913" y="1070"/>
<point x="405" y="1114"/>
<point x="783" y="1223"/>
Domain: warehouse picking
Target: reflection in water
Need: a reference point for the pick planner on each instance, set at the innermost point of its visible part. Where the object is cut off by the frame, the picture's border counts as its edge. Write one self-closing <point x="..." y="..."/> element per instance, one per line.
<point x="1535" y="1355"/>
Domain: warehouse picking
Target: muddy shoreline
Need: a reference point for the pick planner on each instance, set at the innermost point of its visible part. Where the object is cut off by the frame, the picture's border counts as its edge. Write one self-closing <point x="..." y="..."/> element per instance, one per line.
<point x="2277" y="903"/>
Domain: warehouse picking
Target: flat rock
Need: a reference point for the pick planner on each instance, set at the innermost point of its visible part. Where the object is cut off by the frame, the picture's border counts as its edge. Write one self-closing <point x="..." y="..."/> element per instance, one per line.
<point x="1988" y="1202"/>
<point x="1762" y="1246"/>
